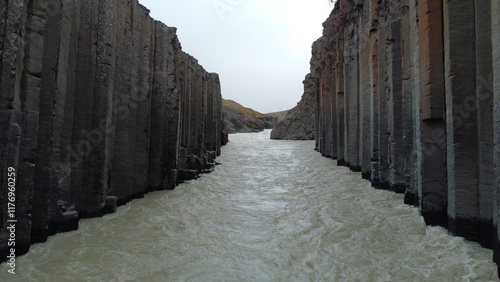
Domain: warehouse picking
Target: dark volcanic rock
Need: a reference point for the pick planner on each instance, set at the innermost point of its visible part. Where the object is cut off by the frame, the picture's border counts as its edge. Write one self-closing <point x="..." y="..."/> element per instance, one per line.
<point x="98" y="105"/>
<point x="407" y="93"/>
<point x="299" y="123"/>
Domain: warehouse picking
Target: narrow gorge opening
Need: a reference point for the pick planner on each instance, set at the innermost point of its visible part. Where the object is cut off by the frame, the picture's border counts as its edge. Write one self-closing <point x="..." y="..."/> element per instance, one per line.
<point x="100" y="104"/>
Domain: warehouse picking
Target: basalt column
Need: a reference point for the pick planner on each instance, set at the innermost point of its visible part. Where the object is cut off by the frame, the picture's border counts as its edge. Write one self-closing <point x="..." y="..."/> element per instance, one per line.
<point x="320" y="99"/>
<point x="325" y="98"/>
<point x="123" y="115"/>
<point x="351" y="84"/>
<point x="407" y="160"/>
<point x="141" y="100"/>
<point x="484" y="94"/>
<point x="413" y="191"/>
<point x="365" y="93"/>
<point x="394" y="90"/>
<point x="97" y="157"/>
<point x="86" y="74"/>
<point x="340" y="127"/>
<point x="163" y="63"/>
<point x="469" y="187"/>
<point x="12" y="118"/>
<point x="432" y="188"/>
<point x="373" y="52"/>
<point x="495" y="35"/>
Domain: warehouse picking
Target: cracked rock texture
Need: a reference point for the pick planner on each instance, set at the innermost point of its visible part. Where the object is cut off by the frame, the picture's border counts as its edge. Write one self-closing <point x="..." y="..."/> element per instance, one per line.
<point x="407" y="93"/>
<point x="98" y="105"/>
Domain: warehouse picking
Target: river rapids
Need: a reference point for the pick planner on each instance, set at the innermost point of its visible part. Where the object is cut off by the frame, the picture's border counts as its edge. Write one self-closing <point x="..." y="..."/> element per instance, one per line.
<point x="272" y="211"/>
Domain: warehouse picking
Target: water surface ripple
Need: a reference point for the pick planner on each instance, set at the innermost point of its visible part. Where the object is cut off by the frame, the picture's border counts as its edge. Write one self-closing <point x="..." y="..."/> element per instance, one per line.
<point x="273" y="211"/>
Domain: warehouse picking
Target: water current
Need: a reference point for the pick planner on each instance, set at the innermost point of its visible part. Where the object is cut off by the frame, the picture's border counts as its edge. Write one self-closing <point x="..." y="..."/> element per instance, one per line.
<point x="272" y="211"/>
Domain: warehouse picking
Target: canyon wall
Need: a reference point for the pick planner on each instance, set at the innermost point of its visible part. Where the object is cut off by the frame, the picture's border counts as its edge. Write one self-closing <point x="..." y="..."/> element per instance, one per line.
<point x="408" y="93"/>
<point x="299" y="122"/>
<point x="98" y="105"/>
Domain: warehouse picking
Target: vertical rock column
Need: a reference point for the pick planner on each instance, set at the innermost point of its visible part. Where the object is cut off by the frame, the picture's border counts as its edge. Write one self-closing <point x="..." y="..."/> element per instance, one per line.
<point x="495" y="35"/>
<point x="142" y="101"/>
<point x="173" y="116"/>
<point x="351" y="82"/>
<point x="163" y="63"/>
<point x="461" y="117"/>
<point x="383" y="102"/>
<point x="324" y="92"/>
<point x="184" y="80"/>
<point x="212" y="126"/>
<point x="63" y="216"/>
<point x="484" y="98"/>
<point x="123" y="115"/>
<point x="330" y="83"/>
<point x="99" y="158"/>
<point x="393" y="93"/>
<point x="340" y="89"/>
<point x="373" y="62"/>
<point x="315" y="74"/>
<point x="432" y="188"/>
<point x="43" y="194"/>
<point x="414" y="192"/>
<point x="408" y="97"/>
<point x="196" y="154"/>
<point x="13" y="21"/>
<point x="84" y="98"/>
<point x="366" y="107"/>
<point x="395" y="99"/>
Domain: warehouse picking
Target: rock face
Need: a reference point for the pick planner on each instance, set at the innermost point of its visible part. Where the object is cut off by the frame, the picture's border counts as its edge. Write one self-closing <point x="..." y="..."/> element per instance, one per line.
<point x="299" y="122"/>
<point x="407" y="93"/>
<point x="98" y="105"/>
<point x="279" y="115"/>
<point x="239" y="119"/>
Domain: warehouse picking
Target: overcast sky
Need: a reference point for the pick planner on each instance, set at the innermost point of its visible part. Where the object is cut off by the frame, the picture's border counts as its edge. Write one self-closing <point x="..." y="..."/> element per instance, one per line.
<point x="260" y="48"/>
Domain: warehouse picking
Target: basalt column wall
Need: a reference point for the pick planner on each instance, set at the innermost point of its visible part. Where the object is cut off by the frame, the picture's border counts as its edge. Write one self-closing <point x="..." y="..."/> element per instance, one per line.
<point x="408" y="94"/>
<point x="98" y="105"/>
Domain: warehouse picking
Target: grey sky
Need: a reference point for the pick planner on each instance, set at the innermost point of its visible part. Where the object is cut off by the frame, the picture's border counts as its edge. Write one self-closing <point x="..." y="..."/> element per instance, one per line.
<point x="260" y="48"/>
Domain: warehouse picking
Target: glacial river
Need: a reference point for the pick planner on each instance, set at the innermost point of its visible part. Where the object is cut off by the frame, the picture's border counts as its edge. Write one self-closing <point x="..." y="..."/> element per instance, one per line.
<point x="272" y="211"/>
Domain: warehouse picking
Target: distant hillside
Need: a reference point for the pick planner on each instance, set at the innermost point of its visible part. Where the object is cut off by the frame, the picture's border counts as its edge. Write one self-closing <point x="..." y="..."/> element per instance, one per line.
<point x="240" y="119"/>
<point x="279" y="115"/>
